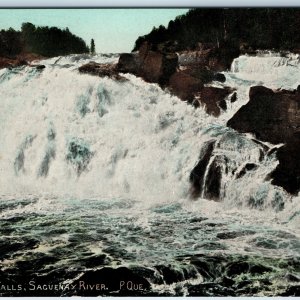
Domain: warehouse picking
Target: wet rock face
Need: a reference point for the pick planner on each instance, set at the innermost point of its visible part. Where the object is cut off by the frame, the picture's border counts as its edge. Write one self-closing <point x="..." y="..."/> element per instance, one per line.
<point x="213" y="182"/>
<point x="213" y="99"/>
<point x="157" y="65"/>
<point x="233" y="98"/>
<point x="287" y="173"/>
<point x="197" y="174"/>
<point x="274" y="116"/>
<point x="226" y="160"/>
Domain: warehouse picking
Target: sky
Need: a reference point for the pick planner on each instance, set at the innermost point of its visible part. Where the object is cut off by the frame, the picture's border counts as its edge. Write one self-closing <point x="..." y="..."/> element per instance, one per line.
<point x="114" y="30"/>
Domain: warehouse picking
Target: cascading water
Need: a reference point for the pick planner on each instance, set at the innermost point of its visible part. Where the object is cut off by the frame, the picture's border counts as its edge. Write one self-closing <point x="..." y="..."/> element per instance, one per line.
<point x="95" y="173"/>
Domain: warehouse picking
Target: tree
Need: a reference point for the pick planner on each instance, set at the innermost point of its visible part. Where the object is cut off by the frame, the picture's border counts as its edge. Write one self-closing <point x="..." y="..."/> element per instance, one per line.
<point x="93" y="49"/>
<point x="259" y="28"/>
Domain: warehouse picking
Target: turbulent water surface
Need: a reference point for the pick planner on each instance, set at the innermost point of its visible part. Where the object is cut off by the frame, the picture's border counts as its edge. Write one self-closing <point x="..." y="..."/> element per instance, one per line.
<point x="95" y="193"/>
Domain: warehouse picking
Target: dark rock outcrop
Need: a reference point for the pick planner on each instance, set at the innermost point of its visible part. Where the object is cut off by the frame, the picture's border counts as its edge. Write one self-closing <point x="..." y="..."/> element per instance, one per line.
<point x="185" y="86"/>
<point x="287" y="173"/>
<point x="233" y="98"/>
<point x="213" y="181"/>
<point x="129" y="63"/>
<point x="11" y="63"/>
<point x="209" y="55"/>
<point x="213" y="99"/>
<point x="184" y="75"/>
<point x="188" y="85"/>
<point x="19" y="60"/>
<point x="152" y="66"/>
<point x="158" y="67"/>
<point x="102" y="70"/>
<point x="39" y="67"/>
<point x="274" y="116"/>
<point x="197" y="174"/>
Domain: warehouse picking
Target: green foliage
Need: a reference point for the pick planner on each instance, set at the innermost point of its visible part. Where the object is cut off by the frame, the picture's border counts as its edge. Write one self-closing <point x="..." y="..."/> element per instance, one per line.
<point x="10" y="42"/>
<point x="51" y="41"/>
<point x="46" y="41"/>
<point x="258" y="28"/>
<point x="92" y="48"/>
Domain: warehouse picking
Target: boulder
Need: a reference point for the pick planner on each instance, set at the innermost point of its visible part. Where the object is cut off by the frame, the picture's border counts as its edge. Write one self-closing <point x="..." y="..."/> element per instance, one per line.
<point x="102" y="70"/>
<point x="184" y="85"/>
<point x="39" y="67"/>
<point x="129" y="63"/>
<point x="158" y="67"/>
<point x="152" y="66"/>
<point x="213" y="99"/>
<point x="274" y="116"/>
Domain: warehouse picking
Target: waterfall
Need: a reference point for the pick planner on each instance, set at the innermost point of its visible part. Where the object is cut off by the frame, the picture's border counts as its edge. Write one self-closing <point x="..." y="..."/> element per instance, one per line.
<point x="64" y="133"/>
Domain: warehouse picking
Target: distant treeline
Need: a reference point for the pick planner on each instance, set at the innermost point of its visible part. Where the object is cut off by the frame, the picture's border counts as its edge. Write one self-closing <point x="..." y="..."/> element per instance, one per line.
<point x="258" y="28"/>
<point x="45" y="41"/>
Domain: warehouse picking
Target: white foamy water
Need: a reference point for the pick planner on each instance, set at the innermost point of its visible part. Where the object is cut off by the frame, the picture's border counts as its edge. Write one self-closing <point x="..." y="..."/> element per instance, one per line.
<point x="134" y="131"/>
